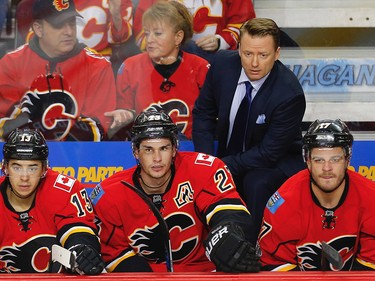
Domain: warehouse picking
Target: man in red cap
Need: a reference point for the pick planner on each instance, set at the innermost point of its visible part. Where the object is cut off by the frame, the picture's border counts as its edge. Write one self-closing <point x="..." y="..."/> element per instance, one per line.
<point x="54" y="83"/>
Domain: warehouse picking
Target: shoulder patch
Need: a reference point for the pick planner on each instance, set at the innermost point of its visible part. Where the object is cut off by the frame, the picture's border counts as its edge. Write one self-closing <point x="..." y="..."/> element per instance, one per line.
<point x="275" y="202"/>
<point x="64" y="182"/>
<point x="204" y="159"/>
<point x="96" y="194"/>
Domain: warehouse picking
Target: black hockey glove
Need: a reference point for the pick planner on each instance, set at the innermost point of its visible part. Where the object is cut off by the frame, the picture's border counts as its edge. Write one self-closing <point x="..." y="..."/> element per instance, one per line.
<point x="228" y="249"/>
<point x="88" y="260"/>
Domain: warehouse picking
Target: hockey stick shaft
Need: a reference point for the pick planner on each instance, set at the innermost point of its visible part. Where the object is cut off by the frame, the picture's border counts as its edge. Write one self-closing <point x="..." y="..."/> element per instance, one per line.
<point x="332" y="255"/>
<point x="162" y="223"/>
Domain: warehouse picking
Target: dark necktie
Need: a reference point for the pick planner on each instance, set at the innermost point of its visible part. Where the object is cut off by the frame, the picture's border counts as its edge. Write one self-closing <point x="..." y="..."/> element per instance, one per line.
<point x="237" y="139"/>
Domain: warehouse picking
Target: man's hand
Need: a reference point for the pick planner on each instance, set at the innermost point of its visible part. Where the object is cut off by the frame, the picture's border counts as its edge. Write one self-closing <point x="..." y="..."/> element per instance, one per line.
<point x="208" y="43"/>
<point x="228" y="249"/>
<point x="88" y="260"/>
<point x="121" y="117"/>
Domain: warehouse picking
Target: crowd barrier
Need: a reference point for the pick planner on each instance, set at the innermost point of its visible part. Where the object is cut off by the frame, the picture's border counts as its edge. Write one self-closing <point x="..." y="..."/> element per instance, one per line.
<point x="92" y="162"/>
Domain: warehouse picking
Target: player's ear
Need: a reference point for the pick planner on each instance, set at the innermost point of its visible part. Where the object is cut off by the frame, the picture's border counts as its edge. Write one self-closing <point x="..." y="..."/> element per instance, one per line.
<point x="136" y="153"/>
<point x="4" y="169"/>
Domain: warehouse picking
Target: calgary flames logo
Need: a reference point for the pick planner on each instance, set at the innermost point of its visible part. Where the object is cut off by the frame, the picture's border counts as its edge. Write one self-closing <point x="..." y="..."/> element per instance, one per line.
<point x="32" y="256"/>
<point x="61" y="4"/>
<point x="51" y="106"/>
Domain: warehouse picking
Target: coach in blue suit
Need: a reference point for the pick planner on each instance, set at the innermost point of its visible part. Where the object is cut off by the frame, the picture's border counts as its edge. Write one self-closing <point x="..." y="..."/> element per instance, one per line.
<point x="271" y="150"/>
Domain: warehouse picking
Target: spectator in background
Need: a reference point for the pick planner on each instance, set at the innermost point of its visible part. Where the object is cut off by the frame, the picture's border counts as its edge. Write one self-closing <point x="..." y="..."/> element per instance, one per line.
<point x="194" y="193"/>
<point x="40" y="208"/>
<point x="105" y="26"/>
<point x="54" y="83"/>
<point x="253" y="105"/>
<point x="328" y="202"/>
<point x="163" y="77"/>
<point x="216" y="24"/>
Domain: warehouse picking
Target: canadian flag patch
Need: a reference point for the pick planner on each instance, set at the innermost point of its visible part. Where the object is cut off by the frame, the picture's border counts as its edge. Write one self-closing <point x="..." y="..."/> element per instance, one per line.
<point x="64" y="182"/>
<point x="204" y="159"/>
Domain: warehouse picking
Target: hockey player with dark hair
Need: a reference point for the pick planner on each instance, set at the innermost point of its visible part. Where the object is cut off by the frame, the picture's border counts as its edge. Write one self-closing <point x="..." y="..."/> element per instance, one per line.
<point x="206" y="220"/>
<point x="325" y="204"/>
<point x="40" y="208"/>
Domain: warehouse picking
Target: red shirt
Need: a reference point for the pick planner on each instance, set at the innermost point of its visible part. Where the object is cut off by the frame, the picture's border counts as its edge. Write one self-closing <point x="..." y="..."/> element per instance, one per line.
<point x="138" y="87"/>
<point x="295" y="225"/>
<point x="201" y="188"/>
<point x="61" y="208"/>
<point x="89" y="76"/>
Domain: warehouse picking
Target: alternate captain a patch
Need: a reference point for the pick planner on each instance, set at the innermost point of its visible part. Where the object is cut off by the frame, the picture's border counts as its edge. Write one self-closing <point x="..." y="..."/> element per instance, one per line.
<point x="275" y="202"/>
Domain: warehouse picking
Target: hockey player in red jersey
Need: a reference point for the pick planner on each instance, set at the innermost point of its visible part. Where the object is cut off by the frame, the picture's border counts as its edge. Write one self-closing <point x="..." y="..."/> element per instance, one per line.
<point x="193" y="192"/>
<point x="40" y="208"/>
<point x="324" y="203"/>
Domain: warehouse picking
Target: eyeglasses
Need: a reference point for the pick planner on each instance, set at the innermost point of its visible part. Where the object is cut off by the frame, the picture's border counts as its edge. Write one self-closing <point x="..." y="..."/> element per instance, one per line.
<point x="333" y="160"/>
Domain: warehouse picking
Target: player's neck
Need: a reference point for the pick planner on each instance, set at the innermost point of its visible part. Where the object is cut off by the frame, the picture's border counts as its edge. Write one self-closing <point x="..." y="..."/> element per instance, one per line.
<point x="155" y="186"/>
<point x="20" y="204"/>
<point x="329" y="200"/>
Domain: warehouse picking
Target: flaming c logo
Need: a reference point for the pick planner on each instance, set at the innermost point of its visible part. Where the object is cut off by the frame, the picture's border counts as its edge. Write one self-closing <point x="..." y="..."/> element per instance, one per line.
<point x="61" y="4"/>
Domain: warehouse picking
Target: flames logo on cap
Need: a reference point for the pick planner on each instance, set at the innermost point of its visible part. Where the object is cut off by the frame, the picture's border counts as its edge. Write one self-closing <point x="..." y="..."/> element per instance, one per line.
<point x="61" y="4"/>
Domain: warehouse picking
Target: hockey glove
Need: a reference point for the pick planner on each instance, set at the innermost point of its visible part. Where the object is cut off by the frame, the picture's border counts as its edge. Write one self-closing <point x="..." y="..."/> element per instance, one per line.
<point x="228" y="249"/>
<point x="88" y="260"/>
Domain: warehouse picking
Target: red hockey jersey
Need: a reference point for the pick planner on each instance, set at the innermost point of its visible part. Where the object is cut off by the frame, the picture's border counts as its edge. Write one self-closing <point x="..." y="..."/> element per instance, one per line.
<point x="201" y="188"/>
<point x="90" y="77"/>
<point x="138" y="87"/>
<point x="295" y="225"/>
<point x="61" y="208"/>
<point x="96" y="28"/>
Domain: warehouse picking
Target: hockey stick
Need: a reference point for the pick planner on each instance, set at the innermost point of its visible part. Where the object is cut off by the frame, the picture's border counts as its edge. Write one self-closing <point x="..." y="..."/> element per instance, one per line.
<point x="162" y="223"/>
<point x="65" y="257"/>
<point x="331" y="255"/>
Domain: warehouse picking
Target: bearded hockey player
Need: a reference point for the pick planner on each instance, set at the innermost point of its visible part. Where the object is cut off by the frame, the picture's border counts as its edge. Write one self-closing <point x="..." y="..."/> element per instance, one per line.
<point x="324" y="203"/>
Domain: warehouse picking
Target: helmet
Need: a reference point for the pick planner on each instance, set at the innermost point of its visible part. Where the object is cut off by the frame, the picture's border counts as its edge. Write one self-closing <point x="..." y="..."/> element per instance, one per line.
<point x="151" y="125"/>
<point x="25" y="144"/>
<point x="327" y="133"/>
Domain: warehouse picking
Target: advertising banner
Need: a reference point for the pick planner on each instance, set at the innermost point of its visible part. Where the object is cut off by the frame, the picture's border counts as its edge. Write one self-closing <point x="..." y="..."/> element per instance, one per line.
<point x="92" y="162"/>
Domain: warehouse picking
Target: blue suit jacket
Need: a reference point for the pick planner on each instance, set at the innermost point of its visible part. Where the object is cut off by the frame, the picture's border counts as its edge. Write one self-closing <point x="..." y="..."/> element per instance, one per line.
<point x="274" y="130"/>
